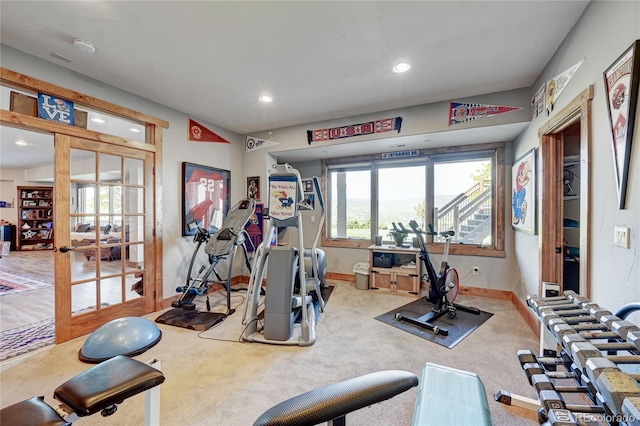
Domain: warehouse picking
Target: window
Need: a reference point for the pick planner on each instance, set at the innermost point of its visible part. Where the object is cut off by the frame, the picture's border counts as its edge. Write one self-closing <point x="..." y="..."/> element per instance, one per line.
<point x="401" y="192"/>
<point x="350" y="219"/>
<point x="454" y="188"/>
<point x="463" y="198"/>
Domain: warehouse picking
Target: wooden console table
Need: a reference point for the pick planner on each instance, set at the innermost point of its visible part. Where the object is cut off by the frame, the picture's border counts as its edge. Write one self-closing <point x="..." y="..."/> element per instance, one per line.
<point x="395" y="269"/>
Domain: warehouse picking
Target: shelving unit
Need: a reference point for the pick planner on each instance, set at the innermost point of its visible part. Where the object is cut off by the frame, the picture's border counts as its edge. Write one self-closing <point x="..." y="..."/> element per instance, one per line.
<point x="35" y="218"/>
<point x="395" y="269"/>
<point x="571" y="232"/>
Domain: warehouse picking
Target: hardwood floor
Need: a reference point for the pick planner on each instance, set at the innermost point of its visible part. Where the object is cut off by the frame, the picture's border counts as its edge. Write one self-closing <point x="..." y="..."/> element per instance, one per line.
<point x="28" y="307"/>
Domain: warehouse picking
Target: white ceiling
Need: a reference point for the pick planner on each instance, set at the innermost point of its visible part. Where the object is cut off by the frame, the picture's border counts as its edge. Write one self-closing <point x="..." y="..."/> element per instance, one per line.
<point x="319" y="60"/>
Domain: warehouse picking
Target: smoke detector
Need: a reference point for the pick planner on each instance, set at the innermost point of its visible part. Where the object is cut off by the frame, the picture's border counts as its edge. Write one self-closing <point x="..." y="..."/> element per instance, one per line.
<point x="84" y="46"/>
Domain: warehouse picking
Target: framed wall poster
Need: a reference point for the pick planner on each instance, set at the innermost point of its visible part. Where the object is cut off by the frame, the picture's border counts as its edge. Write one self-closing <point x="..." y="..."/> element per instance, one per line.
<point x="205" y="197"/>
<point x="621" y="86"/>
<point x="309" y="200"/>
<point x="523" y="199"/>
<point x="307" y="185"/>
<point x="253" y="187"/>
<point x="254" y="227"/>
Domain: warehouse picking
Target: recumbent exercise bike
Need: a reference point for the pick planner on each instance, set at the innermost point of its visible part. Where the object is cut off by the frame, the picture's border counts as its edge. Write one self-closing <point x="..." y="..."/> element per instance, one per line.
<point x="444" y="286"/>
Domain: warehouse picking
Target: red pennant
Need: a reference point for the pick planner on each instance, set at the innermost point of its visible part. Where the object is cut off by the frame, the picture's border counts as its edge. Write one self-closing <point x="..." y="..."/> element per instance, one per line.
<point x="199" y="133"/>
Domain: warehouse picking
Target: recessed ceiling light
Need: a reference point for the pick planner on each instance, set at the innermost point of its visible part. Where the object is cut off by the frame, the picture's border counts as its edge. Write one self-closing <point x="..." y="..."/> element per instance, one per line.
<point x="21" y="142"/>
<point x="84" y="46"/>
<point x="265" y="98"/>
<point x="401" y="67"/>
<point x="135" y="130"/>
<point x="98" y="120"/>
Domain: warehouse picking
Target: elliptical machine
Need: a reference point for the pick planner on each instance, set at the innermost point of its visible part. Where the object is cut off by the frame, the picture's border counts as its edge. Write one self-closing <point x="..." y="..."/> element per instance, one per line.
<point x="290" y="290"/>
<point x="444" y="286"/>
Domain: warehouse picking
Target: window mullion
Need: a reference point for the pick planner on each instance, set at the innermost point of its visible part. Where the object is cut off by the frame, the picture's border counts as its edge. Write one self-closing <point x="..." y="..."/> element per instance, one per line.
<point x="429" y="196"/>
<point x="374" y="200"/>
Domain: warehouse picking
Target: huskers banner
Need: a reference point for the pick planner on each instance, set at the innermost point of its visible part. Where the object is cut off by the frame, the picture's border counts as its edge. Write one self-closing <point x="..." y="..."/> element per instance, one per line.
<point x="378" y="126"/>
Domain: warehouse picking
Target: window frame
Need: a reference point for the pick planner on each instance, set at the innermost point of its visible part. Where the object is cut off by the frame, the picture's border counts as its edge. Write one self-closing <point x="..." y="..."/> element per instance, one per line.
<point x="429" y="157"/>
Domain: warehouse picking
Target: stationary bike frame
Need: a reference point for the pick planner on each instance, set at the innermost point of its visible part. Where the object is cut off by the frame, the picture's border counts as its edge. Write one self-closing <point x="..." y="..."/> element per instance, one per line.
<point x="439" y="287"/>
<point x="448" y="276"/>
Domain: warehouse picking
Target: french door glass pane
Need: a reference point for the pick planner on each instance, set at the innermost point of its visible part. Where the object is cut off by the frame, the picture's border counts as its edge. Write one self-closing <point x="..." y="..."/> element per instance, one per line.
<point x="133" y="171"/>
<point x="107" y="224"/>
<point x="110" y="168"/>
<point x="133" y="200"/>
<point x="83" y="165"/>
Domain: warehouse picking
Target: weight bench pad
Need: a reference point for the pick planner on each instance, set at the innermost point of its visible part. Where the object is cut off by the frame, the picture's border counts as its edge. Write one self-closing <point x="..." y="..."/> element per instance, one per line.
<point x="450" y="396"/>
<point x="108" y="383"/>
<point x="338" y="399"/>
<point x="31" y="412"/>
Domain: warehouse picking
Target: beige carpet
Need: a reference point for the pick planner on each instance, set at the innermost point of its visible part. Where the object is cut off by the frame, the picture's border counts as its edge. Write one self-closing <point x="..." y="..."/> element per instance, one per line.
<point x="224" y="382"/>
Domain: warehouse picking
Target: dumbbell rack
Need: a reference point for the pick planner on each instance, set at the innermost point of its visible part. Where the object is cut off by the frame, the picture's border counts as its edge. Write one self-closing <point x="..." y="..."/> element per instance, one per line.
<point x="591" y="379"/>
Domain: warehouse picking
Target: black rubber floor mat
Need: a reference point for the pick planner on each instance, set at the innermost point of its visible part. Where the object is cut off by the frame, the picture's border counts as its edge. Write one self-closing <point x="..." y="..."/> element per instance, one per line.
<point x="191" y="319"/>
<point x="459" y="327"/>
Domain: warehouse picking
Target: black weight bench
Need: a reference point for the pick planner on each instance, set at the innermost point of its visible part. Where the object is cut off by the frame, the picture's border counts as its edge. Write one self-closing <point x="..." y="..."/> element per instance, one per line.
<point x="98" y="389"/>
<point x="445" y="396"/>
<point x="333" y="402"/>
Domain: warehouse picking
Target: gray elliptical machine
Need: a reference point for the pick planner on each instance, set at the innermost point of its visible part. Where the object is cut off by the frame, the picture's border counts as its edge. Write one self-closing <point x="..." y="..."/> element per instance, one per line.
<point x="286" y="315"/>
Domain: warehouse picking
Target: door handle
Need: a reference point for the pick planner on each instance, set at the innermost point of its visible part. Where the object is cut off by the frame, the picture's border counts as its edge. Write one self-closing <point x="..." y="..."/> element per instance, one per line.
<point x="558" y="250"/>
<point x="65" y="249"/>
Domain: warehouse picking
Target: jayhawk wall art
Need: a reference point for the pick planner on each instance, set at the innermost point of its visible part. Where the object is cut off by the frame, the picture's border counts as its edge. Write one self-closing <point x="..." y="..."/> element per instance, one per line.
<point x="523" y="192"/>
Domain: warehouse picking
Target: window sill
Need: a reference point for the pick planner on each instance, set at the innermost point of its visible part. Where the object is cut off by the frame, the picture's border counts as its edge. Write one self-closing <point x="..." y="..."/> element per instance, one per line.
<point x="454" y="249"/>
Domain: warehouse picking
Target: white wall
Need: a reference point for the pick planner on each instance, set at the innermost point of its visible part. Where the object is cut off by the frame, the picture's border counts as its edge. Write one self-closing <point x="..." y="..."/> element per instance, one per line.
<point x="176" y="149"/>
<point x="604" y="31"/>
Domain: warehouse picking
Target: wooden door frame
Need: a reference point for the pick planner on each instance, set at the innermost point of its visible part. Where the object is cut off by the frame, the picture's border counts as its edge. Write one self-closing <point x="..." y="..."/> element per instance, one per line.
<point x="551" y="194"/>
<point x="153" y="144"/>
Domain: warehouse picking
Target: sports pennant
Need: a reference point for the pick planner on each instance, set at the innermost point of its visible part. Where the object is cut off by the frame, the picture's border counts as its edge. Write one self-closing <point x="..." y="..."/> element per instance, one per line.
<point x="253" y="144"/>
<point x="462" y="113"/>
<point x="537" y="103"/>
<point x="199" y="133"/>
<point x="556" y="85"/>
<point x="378" y="126"/>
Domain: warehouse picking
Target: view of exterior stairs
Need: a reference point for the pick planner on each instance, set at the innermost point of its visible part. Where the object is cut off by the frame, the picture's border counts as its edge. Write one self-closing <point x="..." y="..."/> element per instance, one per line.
<point x="469" y="215"/>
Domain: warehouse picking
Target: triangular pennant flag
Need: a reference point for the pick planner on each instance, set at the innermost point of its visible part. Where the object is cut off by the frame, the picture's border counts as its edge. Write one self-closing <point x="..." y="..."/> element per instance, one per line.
<point x="556" y="85"/>
<point x="537" y="103"/>
<point x="252" y="144"/>
<point x="199" y="133"/>
<point x="462" y="113"/>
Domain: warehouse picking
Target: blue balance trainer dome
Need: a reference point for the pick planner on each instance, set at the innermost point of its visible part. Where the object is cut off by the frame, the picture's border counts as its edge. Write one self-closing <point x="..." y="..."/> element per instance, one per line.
<point x="128" y="336"/>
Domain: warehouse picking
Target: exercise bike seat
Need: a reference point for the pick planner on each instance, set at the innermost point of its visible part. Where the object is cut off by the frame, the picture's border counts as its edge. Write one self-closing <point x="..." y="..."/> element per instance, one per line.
<point x="107" y="384"/>
<point x="31" y="412"/>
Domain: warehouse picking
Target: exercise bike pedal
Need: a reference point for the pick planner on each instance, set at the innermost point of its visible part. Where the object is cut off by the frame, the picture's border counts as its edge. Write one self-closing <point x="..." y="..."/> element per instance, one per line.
<point x="452" y="312"/>
<point x="108" y="411"/>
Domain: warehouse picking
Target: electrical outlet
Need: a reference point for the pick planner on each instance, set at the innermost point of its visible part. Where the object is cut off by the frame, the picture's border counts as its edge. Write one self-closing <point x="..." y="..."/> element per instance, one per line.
<point x="621" y="236"/>
<point x="476" y="270"/>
